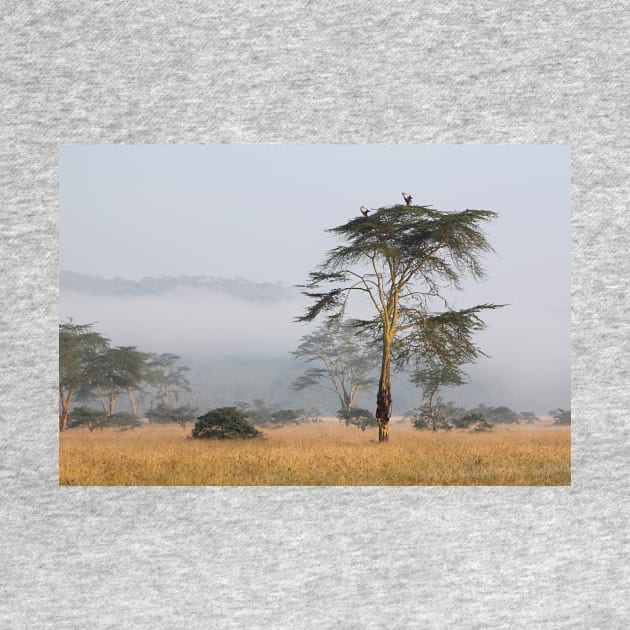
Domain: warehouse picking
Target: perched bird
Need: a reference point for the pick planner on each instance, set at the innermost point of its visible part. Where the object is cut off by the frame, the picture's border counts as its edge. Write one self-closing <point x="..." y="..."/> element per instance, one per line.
<point x="407" y="197"/>
<point x="364" y="211"/>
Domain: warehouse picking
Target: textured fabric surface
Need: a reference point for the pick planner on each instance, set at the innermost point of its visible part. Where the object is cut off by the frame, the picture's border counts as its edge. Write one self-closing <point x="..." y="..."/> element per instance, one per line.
<point x="304" y="72"/>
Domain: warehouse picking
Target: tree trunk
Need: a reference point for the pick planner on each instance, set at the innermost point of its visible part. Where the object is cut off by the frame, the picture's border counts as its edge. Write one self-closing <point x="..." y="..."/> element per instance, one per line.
<point x="345" y="402"/>
<point x="65" y="409"/>
<point x="352" y="394"/>
<point x="432" y="411"/>
<point x="101" y="397"/>
<point x="165" y="395"/>
<point x="133" y="403"/>
<point x="113" y="395"/>
<point x="384" y="396"/>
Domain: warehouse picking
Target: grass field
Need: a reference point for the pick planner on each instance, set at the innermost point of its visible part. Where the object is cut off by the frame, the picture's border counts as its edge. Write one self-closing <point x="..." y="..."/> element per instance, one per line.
<point x="317" y="454"/>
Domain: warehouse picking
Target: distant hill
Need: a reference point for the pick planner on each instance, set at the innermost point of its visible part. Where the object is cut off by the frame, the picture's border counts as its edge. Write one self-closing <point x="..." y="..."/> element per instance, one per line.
<point x="236" y="287"/>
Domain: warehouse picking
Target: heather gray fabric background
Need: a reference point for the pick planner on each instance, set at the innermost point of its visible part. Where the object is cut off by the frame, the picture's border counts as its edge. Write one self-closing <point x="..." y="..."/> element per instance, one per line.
<point x="358" y="72"/>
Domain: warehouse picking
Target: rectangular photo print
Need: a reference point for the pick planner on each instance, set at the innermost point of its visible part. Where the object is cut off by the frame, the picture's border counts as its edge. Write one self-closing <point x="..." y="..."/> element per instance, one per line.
<point x="314" y="315"/>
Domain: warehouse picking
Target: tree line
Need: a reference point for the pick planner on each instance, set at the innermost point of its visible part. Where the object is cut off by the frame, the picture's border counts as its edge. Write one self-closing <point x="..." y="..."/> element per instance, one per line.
<point x="346" y="361"/>
<point x="91" y="369"/>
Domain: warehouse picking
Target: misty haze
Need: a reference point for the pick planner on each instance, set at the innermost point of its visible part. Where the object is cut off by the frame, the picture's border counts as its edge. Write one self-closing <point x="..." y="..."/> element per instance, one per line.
<point x="235" y="344"/>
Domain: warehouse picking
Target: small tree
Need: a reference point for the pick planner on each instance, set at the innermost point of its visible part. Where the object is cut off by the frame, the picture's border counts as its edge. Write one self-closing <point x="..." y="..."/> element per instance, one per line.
<point x="262" y="414"/>
<point x="437" y="415"/>
<point x="475" y="421"/>
<point x="504" y="415"/>
<point x="98" y="419"/>
<point x="431" y="378"/>
<point x="124" y="420"/>
<point x="224" y="423"/>
<point x="446" y="416"/>
<point x="87" y="416"/>
<point x="168" y="378"/>
<point x="362" y="418"/>
<point x="499" y="415"/>
<point x="561" y="416"/>
<point x="528" y="416"/>
<point x="282" y="417"/>
<point x="177" y="415"/>
<point x="348" y="357"/>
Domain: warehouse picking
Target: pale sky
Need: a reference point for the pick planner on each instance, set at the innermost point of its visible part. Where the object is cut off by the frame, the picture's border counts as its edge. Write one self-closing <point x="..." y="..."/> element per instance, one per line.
<point x="260" y="211"/>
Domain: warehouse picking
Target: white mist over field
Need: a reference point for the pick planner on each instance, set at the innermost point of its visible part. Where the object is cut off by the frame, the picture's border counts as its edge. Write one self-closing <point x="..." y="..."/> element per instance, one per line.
<point x="190" y="321"/>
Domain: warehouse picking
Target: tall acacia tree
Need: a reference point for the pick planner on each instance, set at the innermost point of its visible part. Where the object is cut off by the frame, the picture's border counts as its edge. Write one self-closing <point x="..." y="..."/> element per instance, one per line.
<point x="402" y="258"/>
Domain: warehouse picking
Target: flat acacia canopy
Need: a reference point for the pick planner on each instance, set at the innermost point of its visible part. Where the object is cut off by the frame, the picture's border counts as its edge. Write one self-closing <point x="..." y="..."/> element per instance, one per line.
<point x="413" y="245"/>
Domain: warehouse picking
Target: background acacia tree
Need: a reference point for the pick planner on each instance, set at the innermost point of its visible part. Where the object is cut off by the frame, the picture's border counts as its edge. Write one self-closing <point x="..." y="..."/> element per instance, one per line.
<point x="445" y="345"/>
<point x="349" y="359"/>
<point x="358" y="417"/>
<point x="402" y="258"/>
<point x="168" y="378"/>
<point x="113" y="372"/>
<point x="442" y="416"/>
<point x="178" y="415"/>
<point x="262" y="414"/>
<point x="561" y="416"/>
<point x="79" y="345"/>
<point x="432" y="378"/>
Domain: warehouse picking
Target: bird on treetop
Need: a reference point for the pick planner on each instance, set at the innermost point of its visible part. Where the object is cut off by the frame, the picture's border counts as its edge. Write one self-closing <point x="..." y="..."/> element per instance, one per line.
<point x="407" y="197"/>
<point x="364" y="211"/>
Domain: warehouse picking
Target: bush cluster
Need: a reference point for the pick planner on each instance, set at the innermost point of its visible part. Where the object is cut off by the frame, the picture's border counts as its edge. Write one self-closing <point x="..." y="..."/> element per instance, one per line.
<point x="224" y="423"/>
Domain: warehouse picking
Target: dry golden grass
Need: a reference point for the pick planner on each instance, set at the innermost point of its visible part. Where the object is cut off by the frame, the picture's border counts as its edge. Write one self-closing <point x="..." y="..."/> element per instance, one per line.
<point x="317" y="454"/>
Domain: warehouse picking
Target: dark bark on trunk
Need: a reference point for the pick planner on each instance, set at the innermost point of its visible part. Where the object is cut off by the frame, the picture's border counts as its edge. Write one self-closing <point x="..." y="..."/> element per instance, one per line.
<point x="345" y="400"/>
<point x="383" y="431"/>
<point x="384" y="396"/>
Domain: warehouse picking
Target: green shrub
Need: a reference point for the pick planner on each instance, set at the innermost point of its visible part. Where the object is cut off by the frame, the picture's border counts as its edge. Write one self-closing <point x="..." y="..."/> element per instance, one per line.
<point x="98" y="419"/>
<point x="166" y="414"/>
<point x="475" y="421"/>
<point x="561" y="416"/>
<point x="87" y="416"/>
<point x="224" y="423"/>
<point x="358" y="417"/>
